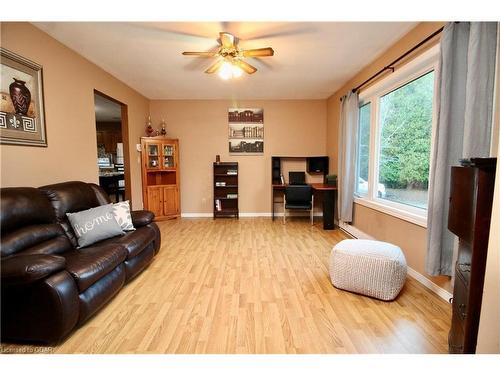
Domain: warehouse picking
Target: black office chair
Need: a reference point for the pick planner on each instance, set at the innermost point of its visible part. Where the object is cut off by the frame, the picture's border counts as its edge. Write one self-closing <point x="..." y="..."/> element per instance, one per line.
<point x="298" y="197"/>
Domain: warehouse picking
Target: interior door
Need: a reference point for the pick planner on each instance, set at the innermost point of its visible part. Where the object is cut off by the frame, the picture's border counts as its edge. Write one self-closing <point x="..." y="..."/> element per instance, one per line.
<point x="170" y="200"/>
<point x="155" y="200"/>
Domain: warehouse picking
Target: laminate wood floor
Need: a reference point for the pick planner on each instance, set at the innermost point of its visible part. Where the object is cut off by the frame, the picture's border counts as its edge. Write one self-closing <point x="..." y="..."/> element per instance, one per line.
<point x="255" y="286"/>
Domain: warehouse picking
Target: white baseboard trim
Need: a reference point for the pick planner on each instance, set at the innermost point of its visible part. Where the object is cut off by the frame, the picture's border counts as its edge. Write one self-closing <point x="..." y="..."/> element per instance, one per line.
<point x="297" y="214"/>
<point x="443" y="293"/>
<point x="355" y="232"/>
<point x="196" y="214"/>
<point x="250" y="214"/>
<point x="255" y="214"/>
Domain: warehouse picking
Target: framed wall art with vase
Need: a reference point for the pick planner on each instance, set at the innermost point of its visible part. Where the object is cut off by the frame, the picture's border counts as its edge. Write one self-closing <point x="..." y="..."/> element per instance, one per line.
<point x="22" y="120"/>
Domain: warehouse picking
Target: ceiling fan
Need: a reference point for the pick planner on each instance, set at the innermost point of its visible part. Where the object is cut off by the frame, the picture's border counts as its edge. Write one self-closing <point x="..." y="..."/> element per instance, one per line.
<point x="230" y="61"/>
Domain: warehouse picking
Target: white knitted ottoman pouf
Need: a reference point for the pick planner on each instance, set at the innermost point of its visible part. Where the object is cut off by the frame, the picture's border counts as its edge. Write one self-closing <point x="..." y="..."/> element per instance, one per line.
<point x="372" y="268"/>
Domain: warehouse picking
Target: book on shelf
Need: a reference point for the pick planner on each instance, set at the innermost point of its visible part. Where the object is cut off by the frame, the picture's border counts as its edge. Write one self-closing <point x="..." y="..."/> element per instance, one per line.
<point x="282" y="179"/>
<point x="220" y="183"/>
<point x="218" y="205"/>
<point x="230" y="195"/>
<point x="232" y="172"/>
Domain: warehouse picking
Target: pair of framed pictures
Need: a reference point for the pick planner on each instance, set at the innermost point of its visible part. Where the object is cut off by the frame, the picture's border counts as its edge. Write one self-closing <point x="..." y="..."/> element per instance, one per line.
<point x="22" y="120"/>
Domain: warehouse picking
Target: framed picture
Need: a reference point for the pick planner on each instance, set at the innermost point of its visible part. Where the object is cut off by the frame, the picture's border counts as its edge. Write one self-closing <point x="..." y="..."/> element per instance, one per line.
<point x="246" y="131"/>
<point x="22" y="119"/>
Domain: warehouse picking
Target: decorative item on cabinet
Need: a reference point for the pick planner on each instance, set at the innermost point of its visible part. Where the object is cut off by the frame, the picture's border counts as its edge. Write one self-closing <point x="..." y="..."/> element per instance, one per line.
<point x="160" y="176"/>
<point x="149" y="127"/>
<point x="163" y="130"/>
<point x="469" y="215"/>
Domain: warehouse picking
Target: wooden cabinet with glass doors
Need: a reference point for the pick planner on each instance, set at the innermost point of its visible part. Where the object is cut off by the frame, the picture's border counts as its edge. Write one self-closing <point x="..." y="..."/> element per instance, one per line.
<point x="160" y="176"/>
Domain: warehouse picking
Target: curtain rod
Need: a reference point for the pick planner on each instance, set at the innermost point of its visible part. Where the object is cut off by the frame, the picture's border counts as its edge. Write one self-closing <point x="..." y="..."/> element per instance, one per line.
<point x="391" y="67"/>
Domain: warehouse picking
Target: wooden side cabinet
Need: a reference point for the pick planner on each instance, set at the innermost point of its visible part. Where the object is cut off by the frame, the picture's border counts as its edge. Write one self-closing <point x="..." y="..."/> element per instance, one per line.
<point x="160" y="176"/>
<point x="471" y="199"/>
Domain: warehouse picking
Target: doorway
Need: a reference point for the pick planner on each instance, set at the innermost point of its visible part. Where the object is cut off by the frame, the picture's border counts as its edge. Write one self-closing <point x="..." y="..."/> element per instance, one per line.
<point x="112" y="146"/>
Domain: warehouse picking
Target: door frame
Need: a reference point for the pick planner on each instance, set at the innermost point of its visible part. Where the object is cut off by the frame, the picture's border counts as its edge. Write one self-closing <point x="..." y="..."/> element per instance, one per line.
<point x="125" y="140"/>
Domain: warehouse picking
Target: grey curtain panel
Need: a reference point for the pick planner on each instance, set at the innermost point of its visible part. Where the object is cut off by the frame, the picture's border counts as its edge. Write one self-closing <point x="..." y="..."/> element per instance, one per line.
<point x="464" y="120"/>
<point x="348" y="135"/>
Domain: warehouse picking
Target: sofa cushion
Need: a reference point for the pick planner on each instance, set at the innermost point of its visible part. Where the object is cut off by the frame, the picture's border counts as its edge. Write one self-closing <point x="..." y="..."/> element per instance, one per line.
<point x="135" y="265"/>
<point x="27" y="236"/>
<point x="54" y="246"/>
<point x="23" y="206"/>
<point x="101" y="196"/>
<point x="157" y="239"/>
<point x="91" y="264"/>
<point x="72" y="196"/>
<point x="142" y="218"/>
<point x="24" y="269"/>
<point x="134" y="241"/>
<point x="24" y="211"/>
<point x="95" y="224"/>
<point x="101" y="292"/>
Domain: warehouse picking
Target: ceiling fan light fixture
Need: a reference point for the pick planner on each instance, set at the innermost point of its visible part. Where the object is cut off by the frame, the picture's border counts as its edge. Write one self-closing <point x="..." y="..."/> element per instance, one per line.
<point x="230" y="58"/>
<point x="228" y="70"/>
<point x="237" y="72"/>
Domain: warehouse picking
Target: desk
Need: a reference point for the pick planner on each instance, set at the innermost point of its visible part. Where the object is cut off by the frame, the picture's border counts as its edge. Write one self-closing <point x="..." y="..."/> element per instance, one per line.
<point x="328" y="192"/>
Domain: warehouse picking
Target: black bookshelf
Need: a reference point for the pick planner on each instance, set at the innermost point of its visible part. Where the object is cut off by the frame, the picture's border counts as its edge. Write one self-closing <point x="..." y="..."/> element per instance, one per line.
<point x="226" y="195"/>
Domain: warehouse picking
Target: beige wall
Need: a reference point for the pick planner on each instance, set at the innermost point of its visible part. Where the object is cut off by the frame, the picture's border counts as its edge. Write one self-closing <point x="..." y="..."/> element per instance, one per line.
<point x="488" y="339"/>
<point x="291" y="127"/>
<point x="69" y="82"/>
<point x="410" y="237"/>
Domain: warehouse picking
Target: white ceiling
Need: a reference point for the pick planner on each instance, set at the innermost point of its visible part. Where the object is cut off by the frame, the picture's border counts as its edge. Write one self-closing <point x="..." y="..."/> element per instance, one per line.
<point x="312" y="59"/>
<point x="106" y="110"/>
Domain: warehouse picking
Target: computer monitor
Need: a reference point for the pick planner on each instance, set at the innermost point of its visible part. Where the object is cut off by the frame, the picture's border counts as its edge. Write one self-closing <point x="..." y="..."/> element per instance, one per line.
<point x="297" y="178"/>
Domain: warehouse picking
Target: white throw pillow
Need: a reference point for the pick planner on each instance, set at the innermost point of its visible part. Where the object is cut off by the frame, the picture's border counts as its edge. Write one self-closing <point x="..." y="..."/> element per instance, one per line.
<point x="121" y="210"/>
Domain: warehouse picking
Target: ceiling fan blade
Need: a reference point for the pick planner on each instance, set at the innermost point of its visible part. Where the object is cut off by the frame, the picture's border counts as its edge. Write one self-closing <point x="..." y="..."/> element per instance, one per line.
<point x="214" y="67"/>
<point x="227" y="40"/>
<point x="201" y="54"/>
<point x="259" y="52"/>
<point x="246" y="66"/>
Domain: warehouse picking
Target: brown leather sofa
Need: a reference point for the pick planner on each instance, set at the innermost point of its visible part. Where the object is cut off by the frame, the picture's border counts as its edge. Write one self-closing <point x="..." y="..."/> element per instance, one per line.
<point x="49" y="287"/>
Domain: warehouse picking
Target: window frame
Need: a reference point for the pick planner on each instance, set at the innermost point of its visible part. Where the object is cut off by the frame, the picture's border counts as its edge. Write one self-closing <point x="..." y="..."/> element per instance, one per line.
<point x="421" y="65"/>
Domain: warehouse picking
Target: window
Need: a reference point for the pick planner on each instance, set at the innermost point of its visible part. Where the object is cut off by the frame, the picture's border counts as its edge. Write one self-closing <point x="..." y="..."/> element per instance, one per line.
<point x="394" y="141"/>
<point x="361" y="185"/>
<point x="405" y="142"/>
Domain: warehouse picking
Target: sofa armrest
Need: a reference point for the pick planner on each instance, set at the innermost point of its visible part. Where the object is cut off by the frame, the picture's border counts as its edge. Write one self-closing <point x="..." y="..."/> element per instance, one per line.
<point x="24" y="269"/>
<point x="142" y="218"/>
